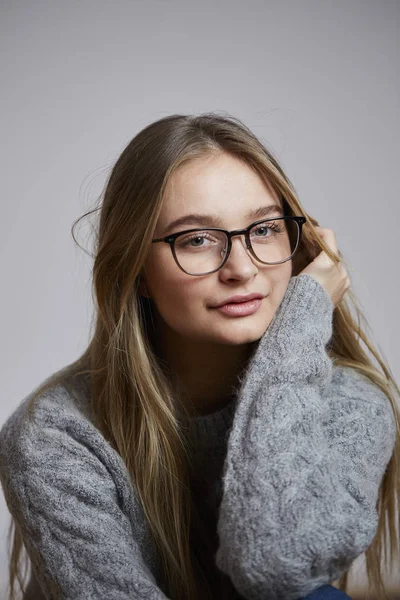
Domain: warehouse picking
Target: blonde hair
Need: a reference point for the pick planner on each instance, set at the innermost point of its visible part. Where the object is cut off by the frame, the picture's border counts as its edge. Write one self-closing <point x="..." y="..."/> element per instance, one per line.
<point x="131" y="396"/>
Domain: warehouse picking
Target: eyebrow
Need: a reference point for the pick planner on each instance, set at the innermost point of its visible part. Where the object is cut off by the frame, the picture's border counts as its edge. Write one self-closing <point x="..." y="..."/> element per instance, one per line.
<point x="211" y="220"/>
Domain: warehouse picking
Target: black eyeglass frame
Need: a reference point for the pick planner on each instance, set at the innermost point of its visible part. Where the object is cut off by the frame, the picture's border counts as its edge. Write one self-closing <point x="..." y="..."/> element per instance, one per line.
<point x="170" y="239"/>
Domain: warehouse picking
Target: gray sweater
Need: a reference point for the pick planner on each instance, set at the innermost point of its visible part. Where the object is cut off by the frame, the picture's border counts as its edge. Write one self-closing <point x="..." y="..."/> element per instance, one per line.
<point x="293" y="464"/>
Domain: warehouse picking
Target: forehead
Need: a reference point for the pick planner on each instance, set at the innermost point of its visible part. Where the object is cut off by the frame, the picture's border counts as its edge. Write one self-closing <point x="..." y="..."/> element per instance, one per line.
<point x="215" y="184"/>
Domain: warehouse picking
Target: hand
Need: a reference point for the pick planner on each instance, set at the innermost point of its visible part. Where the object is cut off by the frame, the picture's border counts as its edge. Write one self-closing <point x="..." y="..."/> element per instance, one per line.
<point x="334" y="279"/>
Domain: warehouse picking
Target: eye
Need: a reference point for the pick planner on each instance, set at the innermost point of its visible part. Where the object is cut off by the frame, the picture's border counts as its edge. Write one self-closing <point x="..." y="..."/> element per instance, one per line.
<point x="273" y="226"/>
<point x="186" y="241"/>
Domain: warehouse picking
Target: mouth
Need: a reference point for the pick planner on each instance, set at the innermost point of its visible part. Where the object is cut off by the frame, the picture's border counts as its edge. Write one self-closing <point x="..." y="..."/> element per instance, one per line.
<point x="240" y="309"/>
<point x="240" y="299"/>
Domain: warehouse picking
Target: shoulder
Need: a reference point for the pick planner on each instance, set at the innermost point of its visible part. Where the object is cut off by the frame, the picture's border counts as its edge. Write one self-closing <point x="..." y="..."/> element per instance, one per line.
<point x="54" y="408"/>
<point x="57" y="430"/>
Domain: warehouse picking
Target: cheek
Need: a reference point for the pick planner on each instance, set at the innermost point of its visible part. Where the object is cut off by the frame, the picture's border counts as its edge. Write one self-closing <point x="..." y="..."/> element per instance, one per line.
<point x="276" y="285"/>
<point x="182" y="313"/>
<point x="163" y="279"/>
<point x="177" y="302"/>
<point x="180" y="301"/>
<point x="279" y="289"/>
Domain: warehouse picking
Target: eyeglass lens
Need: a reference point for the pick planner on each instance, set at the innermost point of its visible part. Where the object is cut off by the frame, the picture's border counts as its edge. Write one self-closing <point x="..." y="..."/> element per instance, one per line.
<point x="201" y="252"/>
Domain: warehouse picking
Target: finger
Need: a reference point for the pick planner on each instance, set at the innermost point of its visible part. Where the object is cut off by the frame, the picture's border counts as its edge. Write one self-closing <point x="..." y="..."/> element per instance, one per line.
<point x="329" y="238"/>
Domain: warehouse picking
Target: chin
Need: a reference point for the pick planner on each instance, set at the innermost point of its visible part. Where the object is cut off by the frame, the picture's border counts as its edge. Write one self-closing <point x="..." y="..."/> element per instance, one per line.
<point x="241" y="333"/>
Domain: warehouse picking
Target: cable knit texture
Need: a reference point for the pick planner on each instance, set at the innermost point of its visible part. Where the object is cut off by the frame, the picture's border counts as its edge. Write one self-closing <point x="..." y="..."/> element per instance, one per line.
<point x="293" y="467"/>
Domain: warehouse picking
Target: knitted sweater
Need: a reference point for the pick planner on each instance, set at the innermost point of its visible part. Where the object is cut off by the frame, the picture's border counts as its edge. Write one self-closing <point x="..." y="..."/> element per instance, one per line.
<point x="294" y="464"/>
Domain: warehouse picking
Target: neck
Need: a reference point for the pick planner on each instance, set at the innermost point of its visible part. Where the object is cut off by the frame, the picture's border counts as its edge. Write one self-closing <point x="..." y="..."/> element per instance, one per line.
<point x="203" y="374"/>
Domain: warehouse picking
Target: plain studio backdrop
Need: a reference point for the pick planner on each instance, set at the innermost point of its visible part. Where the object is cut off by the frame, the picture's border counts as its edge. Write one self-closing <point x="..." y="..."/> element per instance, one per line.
<point x="316" y="80"/>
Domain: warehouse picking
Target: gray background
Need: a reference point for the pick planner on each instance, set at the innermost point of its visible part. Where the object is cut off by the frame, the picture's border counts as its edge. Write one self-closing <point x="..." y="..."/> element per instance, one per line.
<point x="317" y="80"/>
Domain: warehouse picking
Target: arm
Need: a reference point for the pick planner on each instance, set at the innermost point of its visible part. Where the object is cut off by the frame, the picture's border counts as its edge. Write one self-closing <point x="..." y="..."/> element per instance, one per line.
<point x="306" y="454"/>
<point x="61" y="490"/>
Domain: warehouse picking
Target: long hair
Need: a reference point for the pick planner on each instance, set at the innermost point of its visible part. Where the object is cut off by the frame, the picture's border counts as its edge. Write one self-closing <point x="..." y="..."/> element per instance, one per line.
<point x="130" y="393"/>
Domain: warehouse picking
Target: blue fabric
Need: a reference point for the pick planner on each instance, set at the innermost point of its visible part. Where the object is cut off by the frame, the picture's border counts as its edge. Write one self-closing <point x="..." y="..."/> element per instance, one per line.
<point x="326" y="592"/>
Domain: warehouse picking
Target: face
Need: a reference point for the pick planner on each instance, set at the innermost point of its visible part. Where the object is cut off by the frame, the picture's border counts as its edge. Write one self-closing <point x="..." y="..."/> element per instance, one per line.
<point x="225" y="186"/>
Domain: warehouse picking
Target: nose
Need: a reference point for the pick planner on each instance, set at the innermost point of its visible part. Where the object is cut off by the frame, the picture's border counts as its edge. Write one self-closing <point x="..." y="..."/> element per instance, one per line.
<point x="239" y="261"/>
<point x="241" y="237"/>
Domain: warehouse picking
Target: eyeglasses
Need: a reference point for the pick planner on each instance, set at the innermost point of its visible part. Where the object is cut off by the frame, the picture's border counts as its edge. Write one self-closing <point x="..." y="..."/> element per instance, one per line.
<point x="203" y="251"/>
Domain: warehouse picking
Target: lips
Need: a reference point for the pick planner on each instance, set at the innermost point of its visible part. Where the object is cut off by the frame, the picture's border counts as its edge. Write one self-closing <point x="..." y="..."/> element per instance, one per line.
<point x="239" y="299"/>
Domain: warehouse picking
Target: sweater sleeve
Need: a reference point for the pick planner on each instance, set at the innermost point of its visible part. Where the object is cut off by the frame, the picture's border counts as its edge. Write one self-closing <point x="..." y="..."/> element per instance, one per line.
<point x="60" y="487"/>
<point x="307" y="451"/>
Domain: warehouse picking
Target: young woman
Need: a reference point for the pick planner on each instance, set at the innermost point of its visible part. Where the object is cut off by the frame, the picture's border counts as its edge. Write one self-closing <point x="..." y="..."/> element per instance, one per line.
<point x="225" y="434"/>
